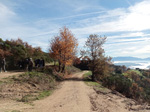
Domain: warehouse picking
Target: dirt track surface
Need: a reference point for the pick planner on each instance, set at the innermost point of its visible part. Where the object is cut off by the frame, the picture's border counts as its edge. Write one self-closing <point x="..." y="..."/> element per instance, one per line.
<point x="7" y="74"/>
<point x="73" y="95"/>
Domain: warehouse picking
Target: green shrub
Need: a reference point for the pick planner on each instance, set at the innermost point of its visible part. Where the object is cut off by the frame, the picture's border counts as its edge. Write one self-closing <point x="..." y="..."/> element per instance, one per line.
<point x="118" y="82"/>
<point x="48" y="70"/>
<point x="43" y="94"/>
<point x="87" y="76"/>
<point x="27" y="98"/>
<point x="15" y="111"/>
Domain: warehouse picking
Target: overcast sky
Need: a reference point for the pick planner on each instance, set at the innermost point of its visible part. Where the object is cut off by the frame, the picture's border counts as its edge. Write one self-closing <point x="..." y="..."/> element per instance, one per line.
<point x="126" y="23"/>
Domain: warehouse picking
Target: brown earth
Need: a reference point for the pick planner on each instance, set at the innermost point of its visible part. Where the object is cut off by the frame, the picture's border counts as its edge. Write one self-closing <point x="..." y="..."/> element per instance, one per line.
<point x="73" y="95"/>
<point x="20" y="86"/>
<point x="11" y="73"/>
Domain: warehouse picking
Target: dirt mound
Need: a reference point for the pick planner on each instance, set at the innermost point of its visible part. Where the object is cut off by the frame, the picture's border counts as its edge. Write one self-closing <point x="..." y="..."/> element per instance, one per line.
<point x="112" y="101"/>
<point x="17" y="87"/>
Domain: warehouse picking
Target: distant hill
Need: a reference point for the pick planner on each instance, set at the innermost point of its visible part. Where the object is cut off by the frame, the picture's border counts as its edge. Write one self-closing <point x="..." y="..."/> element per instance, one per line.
<point x="130" y="59"/>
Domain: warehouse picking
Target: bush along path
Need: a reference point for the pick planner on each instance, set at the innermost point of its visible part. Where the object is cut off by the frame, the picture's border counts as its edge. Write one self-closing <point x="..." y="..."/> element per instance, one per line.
<point x="106" y="100"/>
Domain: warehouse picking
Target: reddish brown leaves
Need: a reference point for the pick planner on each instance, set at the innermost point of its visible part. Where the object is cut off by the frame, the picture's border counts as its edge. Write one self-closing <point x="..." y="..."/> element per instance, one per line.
<point x="63" y="47"/>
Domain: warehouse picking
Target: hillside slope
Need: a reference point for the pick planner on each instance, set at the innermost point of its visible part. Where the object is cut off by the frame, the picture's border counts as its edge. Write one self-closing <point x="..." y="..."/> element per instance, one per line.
<point x="73" y="95"/>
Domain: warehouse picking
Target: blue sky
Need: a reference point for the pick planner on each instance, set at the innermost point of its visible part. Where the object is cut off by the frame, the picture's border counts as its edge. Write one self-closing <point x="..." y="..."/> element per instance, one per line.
<point x="126" y="23"/>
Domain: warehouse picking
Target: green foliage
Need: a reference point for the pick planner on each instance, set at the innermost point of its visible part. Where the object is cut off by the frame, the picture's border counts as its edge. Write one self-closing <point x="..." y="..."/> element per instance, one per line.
<point x="38" y="78"/>
<point x="88" y="80"/>
<point x="43" y="94"/>
<point x="48" y="70"/>
<point x="17" y="50"/>
<point x="97" y="86"/>
<point x="15" y="111"/>
<point x="1" y="82"/>
<point x="146" y="74"/>
<point x="132" y="83"/>
<point x="28" y="98"/>
<point x="87" y="76"/>
<point x="118" y="82"/>
<point x="91" y="83"/>
<point x="47" y="58"/>
<point x="136" y="71"/>
<point x="94" y="53"/>
<point x="54" y="63"/>
<point x="72" y="69"/>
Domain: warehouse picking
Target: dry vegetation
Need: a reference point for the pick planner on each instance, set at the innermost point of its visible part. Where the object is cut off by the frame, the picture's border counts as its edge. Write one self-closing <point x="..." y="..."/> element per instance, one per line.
<point x="28" y="86"/>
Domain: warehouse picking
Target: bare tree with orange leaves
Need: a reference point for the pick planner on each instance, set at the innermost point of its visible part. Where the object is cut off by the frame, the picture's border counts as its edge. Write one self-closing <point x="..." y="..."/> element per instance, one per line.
<point x="63" y="48"/>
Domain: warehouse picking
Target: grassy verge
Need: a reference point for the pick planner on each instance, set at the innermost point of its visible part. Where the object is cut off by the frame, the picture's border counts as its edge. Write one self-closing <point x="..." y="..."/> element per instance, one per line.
<point x="87" y="79"/>
<point x="15" y="111"/>
<point x="72" y="69"/>
<point x="29" y="98"/>
<point x="97" y="86"/>
<point x="44" y="94"/>
<point x="44" y="83"/>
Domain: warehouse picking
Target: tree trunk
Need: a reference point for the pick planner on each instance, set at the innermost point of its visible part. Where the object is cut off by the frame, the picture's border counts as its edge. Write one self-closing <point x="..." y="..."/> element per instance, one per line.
<point x="54" y="62"/>
<point x="59" y="66"/>
<point x="93" y="76"/>
<point x="93" y="70"/>
<point x="63" y="69"/>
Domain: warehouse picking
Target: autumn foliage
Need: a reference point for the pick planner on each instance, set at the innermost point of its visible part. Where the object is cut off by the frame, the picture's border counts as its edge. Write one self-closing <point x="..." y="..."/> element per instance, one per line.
<point x="17" y="50"/>
<point x="131" y="83"/>
<point x="94" y="53"/>
<point x="63" y="48"/>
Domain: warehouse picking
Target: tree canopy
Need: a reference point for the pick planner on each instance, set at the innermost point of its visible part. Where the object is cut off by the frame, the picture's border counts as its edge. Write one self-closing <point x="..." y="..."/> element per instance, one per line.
<point x="98" y="63"/>
<point x="16" y="50"/>
<point x="63" y="48"/>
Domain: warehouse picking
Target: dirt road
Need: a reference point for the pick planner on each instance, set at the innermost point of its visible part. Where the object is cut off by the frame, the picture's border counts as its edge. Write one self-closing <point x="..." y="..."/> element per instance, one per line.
<point x="7" y="74"/>
<point x="74" y="95"/>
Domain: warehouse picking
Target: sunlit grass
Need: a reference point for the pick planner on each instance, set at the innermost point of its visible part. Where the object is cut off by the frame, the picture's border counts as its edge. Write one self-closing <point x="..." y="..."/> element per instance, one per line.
<point x="44" y="94"/>
<point x="88" y="80"/>
<point x="97" y="86"/>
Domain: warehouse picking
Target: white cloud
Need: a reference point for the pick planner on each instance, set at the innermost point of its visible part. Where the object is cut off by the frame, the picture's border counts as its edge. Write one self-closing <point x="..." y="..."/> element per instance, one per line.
<point x="12" y="28"/>
<point x="5" y="12"/>
<point x="135" y="18"/>
<point x="135" y="48"/>
<point x="135" y="34"/>
<point x="130" y="22"/>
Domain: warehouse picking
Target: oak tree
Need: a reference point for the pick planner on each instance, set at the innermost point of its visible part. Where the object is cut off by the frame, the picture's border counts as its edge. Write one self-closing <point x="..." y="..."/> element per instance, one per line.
<point x="63" y="48"/>
<point x="98" y="63"/>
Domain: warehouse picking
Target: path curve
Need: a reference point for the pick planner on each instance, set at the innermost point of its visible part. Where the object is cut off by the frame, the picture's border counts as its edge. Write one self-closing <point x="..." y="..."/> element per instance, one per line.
<point x="73" y="96"/>
<point x="7" y="74"/>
